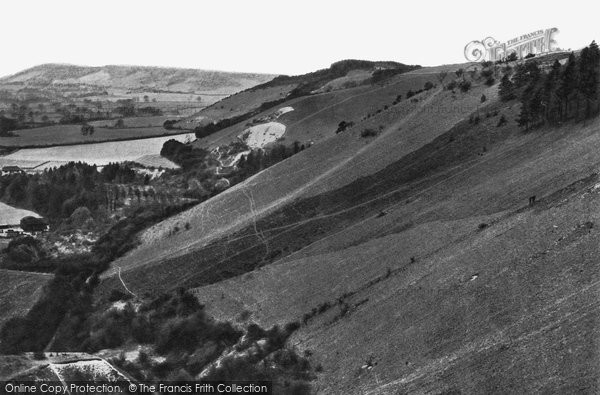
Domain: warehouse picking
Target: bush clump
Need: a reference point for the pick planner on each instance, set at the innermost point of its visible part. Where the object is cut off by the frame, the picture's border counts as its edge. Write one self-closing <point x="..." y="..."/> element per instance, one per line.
<point x="464" y="85"/>
<point x="368" y="132"/>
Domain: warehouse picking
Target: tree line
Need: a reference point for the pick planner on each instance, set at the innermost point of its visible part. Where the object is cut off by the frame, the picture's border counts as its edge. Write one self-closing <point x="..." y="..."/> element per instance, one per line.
<point x="564" y="92"/>
<point x="55" y="193"/>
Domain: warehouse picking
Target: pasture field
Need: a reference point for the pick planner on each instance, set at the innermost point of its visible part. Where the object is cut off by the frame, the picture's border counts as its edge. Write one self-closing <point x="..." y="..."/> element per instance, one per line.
<point x="71" y="134"/>
<point x="135" y="122"/>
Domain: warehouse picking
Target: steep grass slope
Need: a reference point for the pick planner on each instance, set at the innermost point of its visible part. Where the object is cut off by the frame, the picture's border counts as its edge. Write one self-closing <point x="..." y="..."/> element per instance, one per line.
<point x="283" y="87"/>
<point x="316" y="117"/>
<point x="456" y="285"/>
<point x="411" y="257"/>
<point x="331" y="164"/>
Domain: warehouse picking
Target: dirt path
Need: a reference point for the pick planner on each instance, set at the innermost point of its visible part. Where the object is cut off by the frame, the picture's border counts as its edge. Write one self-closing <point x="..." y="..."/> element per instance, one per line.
<point x="123" y="282"/>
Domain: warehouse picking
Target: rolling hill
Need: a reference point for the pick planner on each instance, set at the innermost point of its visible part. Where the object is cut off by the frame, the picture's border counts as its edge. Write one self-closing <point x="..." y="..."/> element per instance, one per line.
<point x="136" y="78"/>
<point x="341" y="75"/>
<point x="411" y="256"/>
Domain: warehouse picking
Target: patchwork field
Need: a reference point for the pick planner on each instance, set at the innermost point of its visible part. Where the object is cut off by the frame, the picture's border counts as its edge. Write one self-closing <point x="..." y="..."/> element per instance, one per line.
<point x="132" y="78"/>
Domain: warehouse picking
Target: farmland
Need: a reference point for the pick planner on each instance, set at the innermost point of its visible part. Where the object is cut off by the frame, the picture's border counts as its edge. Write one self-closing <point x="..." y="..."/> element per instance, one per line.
<point x="46" y="105"/>
<point x="97" y="153"/>
<point x="158" y="83"/>
<point x="71" y="134"/>
<point x="136" y="122"/>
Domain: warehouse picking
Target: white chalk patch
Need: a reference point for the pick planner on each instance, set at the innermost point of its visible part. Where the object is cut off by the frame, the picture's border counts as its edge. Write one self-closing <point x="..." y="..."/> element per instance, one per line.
<point x="283" y="110"/>
<point x="259" y="136"/>
<point x="92" y="370"/>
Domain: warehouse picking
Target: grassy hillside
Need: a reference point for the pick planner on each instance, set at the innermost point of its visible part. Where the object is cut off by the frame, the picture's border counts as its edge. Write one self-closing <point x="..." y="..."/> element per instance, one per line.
<point x="473" y="282"/>
<point x="410" y="254"/>
<point x="340" y="75"/>
<point x="316" y="117"/>
<point x="426" y="240"/>
<point x="324" y="167"/>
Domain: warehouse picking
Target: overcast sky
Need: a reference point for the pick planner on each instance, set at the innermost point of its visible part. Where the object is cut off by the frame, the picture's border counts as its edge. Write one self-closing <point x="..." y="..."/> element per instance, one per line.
<point x="281" y="37"/>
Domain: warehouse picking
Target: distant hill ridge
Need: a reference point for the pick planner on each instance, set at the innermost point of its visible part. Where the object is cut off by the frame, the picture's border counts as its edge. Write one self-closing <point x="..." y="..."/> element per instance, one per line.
<point x="134" y="77"/>
<point x="315" y="79"/>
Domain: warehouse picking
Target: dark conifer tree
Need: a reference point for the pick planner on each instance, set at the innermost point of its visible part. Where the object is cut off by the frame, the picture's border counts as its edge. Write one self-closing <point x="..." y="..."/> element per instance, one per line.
<point x="588" y="77"/>
<point x="506" y="89"/>
<point x="568" y="84"/>
<point x="551" y="102"/>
